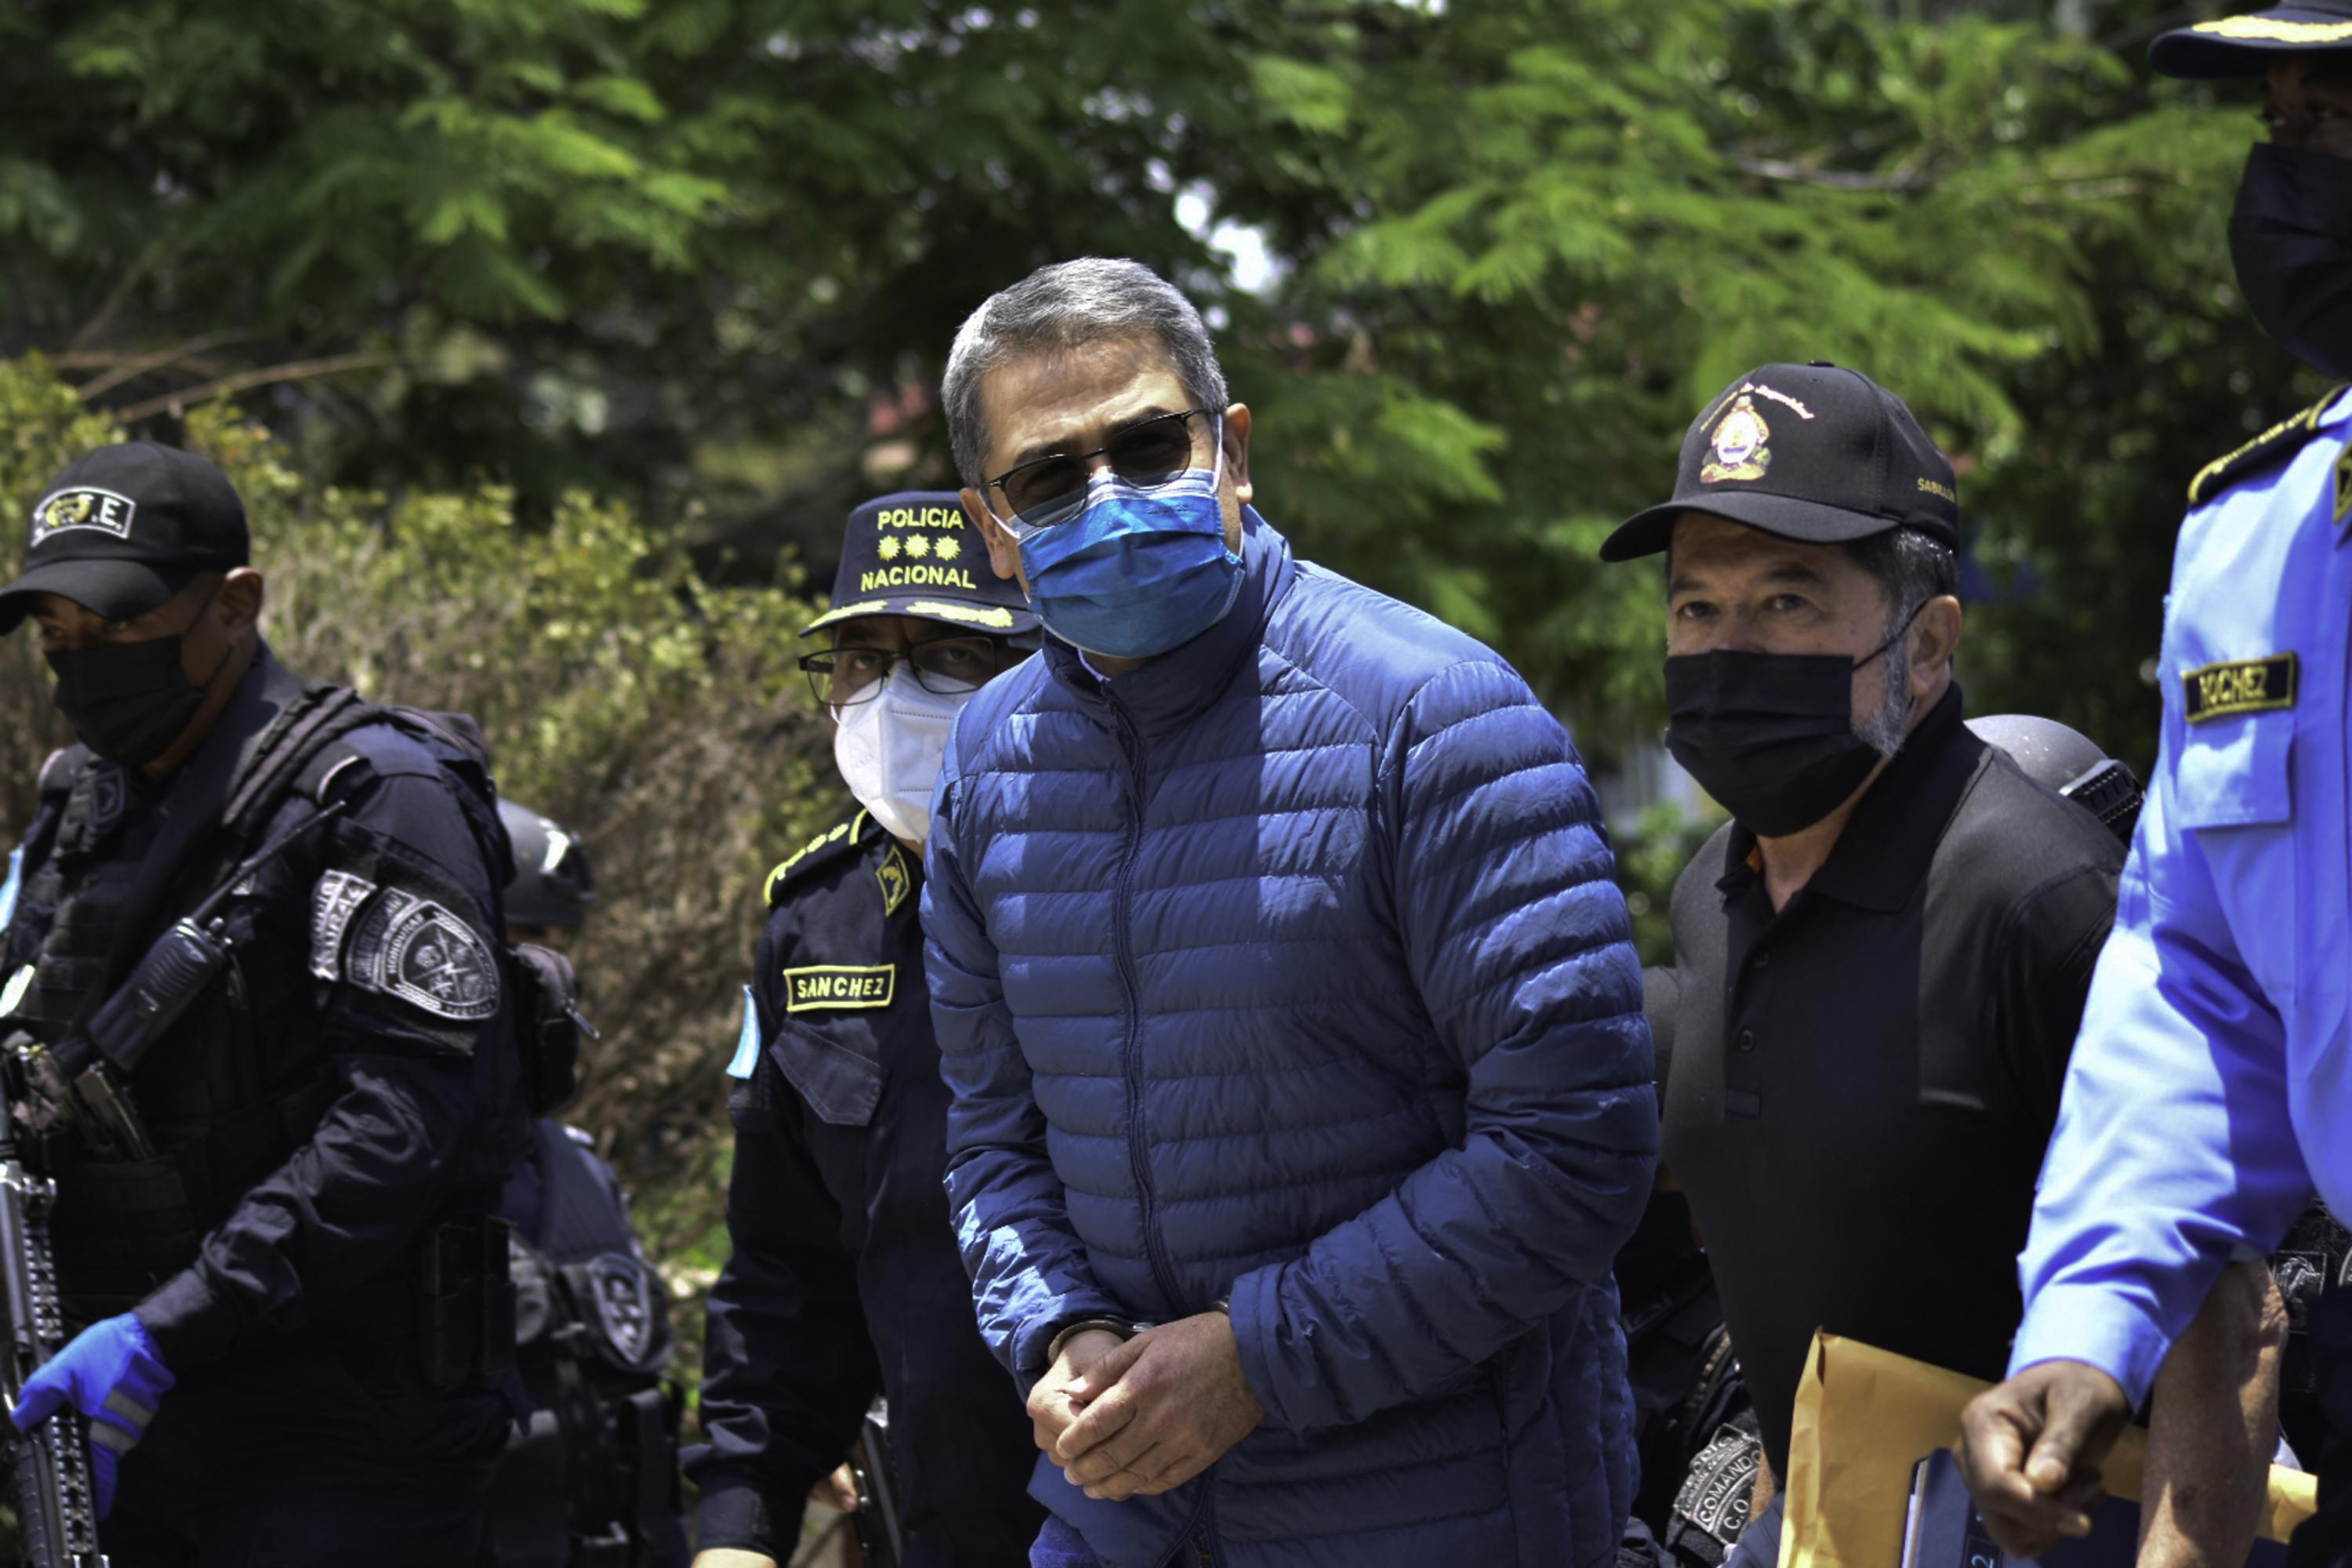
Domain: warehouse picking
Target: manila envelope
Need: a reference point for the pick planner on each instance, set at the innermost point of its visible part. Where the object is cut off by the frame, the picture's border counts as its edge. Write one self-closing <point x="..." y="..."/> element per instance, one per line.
<point x="1865" y="1417"/>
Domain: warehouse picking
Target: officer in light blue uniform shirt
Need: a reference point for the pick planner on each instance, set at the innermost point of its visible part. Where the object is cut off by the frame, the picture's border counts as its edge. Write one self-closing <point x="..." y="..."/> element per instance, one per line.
<point x="2211" y="1091"/>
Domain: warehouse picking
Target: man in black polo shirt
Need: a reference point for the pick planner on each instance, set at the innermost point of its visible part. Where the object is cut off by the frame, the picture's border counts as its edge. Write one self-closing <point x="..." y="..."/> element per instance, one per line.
<point x="1882" y="959"/>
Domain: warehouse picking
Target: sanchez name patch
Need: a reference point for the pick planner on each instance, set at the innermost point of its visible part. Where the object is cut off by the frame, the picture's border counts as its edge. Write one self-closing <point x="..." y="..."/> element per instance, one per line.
<point x="822" y="986"/>
<point x="2238" y="686"/>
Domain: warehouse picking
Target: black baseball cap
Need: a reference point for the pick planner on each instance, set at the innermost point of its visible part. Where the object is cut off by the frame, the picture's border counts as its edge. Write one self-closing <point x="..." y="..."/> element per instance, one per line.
<point x="125" y="527"/>
<point x="1811" y="452"/>
<point x="916" y="553"/>
<point x="2246" y="45"/>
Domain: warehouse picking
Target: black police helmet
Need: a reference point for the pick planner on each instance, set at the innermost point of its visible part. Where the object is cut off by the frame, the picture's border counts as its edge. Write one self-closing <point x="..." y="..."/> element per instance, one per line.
<point x="2068" y="761"/>
<point x="552" y="885"/>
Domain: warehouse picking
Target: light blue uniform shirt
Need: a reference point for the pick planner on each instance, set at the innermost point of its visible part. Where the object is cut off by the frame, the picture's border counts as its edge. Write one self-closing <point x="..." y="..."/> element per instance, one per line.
<point x="2213" y="1066"/>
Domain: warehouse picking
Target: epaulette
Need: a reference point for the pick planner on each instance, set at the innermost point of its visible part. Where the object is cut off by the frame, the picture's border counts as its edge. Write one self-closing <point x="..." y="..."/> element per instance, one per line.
<point x="580" y="1135"/>
<point x="2275" y="445"/>
<point x="842" y="838"/>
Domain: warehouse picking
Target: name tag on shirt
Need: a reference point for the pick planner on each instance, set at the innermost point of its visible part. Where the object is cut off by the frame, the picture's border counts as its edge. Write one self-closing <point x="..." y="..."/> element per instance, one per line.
<point x="2238" y="686"/>
<point x="829" y="985"/>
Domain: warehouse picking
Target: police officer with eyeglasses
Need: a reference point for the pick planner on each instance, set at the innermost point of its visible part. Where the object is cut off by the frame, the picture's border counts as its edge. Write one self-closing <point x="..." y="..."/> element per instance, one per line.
<point x="844" y="1280"/>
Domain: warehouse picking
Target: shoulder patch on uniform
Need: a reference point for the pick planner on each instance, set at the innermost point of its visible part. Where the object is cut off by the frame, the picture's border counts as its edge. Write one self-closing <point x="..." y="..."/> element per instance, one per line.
<point x="389" y="941"/>
<point x="819" y="987"/>
<point x="896" y="881"/>
<point x="2274" y="446"/>
<point x="2238" y="686"/>
<point x="818" y="851"/>
<point x="580" y="1135"/>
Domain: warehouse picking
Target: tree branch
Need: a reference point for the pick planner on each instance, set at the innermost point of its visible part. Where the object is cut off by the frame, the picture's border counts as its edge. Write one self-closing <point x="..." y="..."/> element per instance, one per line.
<point x="129" y="367"/>
<point x="1834" y="179"/>
<point x="246" y="381"/>
<point x="146" y="263"/>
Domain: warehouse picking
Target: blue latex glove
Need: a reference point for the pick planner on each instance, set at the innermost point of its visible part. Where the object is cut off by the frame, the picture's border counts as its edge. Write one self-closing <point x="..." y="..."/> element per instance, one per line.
<point x="112" y="1373"/>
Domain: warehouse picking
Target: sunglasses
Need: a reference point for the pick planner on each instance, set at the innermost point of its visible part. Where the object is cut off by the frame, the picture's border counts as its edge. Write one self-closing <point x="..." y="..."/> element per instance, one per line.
<point x="1053" y="490"/>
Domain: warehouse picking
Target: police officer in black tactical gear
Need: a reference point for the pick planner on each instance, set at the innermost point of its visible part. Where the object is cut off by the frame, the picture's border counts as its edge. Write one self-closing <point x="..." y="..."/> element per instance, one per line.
<point x="592" y="1481"/>
<point x="844" y="1280"/>
<point x="272" y="1237"/>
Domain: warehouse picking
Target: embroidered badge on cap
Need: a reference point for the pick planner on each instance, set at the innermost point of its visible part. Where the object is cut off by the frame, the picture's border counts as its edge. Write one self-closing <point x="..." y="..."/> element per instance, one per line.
<point x="893" y="876"/>
<point x="1738" y="446"/>
<point x="821" y="987"/>
<point x="85" y="506"/>
<point x="2238" y="686"/>
<point x="918" y="548"/>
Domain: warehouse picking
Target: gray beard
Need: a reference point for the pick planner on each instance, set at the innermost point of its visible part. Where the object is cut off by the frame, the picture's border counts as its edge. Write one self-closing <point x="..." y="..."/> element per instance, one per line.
<point x="1884" y="728"/>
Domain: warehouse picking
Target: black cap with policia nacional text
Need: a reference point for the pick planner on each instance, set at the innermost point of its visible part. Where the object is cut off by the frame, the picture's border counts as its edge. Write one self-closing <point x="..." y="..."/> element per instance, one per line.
<point x="916" y="553"/>
<point x="1811" y="452"/>
<point x="125" y="527"/>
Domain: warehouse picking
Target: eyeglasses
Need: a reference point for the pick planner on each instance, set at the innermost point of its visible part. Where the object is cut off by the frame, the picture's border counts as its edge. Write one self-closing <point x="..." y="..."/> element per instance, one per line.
<point x="844" y="677"/>
<point x="1054" y="489"/>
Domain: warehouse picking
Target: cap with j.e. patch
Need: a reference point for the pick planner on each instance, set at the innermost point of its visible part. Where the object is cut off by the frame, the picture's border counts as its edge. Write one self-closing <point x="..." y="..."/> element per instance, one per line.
<point x="1811" y="452"/>
<point x="916" y="553"/>
<point x="125" y="527"/>
<point x="2246" y="45"/>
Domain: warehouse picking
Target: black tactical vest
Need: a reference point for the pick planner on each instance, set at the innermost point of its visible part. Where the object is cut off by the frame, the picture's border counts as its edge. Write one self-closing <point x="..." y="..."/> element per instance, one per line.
<point x="122" y="1227"/>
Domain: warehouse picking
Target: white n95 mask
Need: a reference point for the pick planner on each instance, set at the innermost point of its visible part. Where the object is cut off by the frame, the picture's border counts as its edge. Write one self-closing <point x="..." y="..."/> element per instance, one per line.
<point x="890" y="748"/>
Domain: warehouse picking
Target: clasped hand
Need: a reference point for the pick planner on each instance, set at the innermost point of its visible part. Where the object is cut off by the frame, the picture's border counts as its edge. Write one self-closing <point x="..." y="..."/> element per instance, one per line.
<point x="1142" y="1417"/>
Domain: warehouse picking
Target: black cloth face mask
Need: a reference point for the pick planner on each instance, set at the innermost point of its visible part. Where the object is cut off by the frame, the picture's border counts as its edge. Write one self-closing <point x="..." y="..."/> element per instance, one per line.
<point x="2291" y="238"/>
<point x="126" y="700"/>
<point x="1771" y="736"/>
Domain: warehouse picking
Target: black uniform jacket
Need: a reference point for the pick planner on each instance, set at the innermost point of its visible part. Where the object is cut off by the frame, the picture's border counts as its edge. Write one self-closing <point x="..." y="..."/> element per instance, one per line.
<point x="350" y="1080"/>
<point x="1862" y="1084"/>
<point x="846" y="1281"/>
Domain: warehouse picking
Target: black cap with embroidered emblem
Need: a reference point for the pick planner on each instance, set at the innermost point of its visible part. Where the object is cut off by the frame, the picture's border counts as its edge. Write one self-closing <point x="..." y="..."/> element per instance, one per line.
<point x="1811" y="452"/>
<point x="2246" y="45"/>
<point x="125" y="527"/>
<point x="916" y="553"/>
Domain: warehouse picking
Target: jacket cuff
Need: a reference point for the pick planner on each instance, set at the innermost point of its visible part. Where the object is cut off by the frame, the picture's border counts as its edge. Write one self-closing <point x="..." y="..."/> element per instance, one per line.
<point x="2098" y="1324"/>
<point x="188" y="1321"/>
<point x="1295" y="1402"/>
<point x="734" y="1510"/>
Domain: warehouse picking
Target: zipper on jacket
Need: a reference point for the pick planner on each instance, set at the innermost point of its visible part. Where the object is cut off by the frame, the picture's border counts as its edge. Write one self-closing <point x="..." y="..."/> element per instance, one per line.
<point x="1131" y="1046"/>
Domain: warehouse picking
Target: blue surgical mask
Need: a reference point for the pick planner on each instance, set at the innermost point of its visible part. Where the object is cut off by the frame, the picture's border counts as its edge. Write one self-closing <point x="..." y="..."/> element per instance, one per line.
<point x="1137" y="572"/>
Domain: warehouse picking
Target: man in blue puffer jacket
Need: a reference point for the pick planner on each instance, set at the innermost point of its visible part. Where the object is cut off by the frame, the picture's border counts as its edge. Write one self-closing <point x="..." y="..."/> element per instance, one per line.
<point x="1302" y="1089"/>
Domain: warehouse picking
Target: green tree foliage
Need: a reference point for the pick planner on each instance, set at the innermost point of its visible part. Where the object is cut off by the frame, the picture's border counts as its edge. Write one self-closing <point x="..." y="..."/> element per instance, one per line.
<point x="1573" y="227"/>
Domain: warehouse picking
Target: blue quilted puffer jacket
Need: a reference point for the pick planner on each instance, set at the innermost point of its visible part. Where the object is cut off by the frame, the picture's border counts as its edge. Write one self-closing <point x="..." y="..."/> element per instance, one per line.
<point x="1289" y="966"/>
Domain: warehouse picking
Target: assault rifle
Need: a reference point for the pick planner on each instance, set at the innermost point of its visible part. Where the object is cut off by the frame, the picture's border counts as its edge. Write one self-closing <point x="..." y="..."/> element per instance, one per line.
<point x="56" y="1512"/>
<point x="81" y="1082"/>
<point x="879" y="1540"/>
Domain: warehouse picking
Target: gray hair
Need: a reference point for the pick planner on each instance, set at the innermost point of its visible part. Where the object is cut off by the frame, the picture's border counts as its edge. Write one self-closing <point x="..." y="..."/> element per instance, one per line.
<point x="1055" y="309"/>
<point x="1912" y="569"/>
